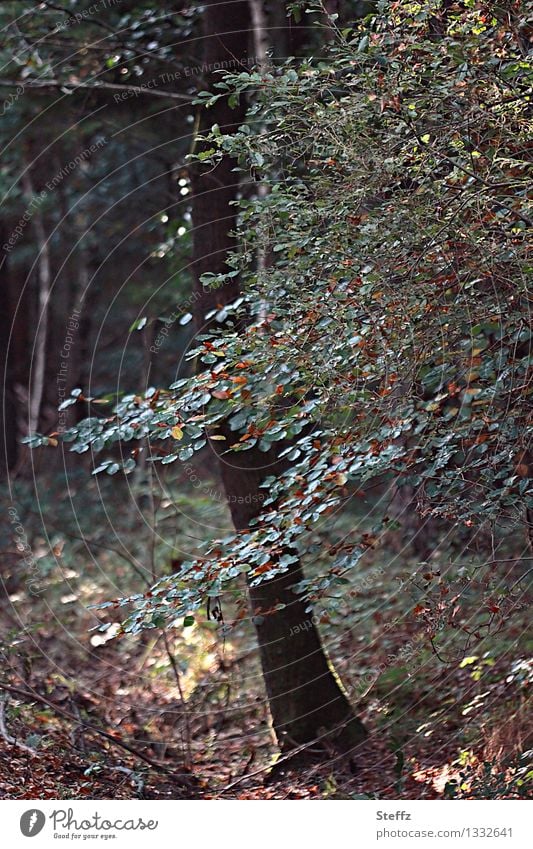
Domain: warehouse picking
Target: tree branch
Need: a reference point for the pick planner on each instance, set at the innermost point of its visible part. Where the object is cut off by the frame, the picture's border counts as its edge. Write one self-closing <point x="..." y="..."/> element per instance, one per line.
<point x="69" y="88"/>
<point x="31" y="695"/>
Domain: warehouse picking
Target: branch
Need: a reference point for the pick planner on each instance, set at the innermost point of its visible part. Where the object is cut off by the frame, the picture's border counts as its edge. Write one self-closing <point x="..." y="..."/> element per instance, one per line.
<point x="36" y="697"/>
<point x="69" y="88"/>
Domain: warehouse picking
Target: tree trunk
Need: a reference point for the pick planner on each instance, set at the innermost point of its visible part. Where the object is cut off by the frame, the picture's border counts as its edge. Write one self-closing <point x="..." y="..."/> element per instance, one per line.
<point x="261" y="40"/>
<point x="44" y="278"/>
<point x="8" y="429"/>
<point x="306" y="700"/>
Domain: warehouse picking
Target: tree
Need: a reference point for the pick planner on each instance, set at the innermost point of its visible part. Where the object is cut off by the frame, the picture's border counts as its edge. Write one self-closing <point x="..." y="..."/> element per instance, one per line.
<point x="8" y="436"/>
<point x="304" y="695"/>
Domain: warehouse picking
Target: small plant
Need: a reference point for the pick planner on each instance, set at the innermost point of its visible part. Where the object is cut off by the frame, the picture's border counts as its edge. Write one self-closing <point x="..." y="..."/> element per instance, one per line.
<point x="491" y="780"/>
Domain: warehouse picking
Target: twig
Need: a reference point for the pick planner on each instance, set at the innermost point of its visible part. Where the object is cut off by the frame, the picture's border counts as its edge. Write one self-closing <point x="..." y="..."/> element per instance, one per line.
<point x="133" y="775"/>
<point x="33" y="696"/>
<point x="521" y="578"/>
<point x="69" y="88"/>
<point x="172" y="660"/>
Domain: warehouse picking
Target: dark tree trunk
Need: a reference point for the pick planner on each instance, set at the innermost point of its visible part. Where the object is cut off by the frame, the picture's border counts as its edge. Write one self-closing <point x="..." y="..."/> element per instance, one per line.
<point x="306" y="699"/>
<point x="8" y="416"/>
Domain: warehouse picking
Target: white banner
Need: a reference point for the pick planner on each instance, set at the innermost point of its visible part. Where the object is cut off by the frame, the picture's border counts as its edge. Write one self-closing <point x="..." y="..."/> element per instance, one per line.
<point x="359" y="824"/>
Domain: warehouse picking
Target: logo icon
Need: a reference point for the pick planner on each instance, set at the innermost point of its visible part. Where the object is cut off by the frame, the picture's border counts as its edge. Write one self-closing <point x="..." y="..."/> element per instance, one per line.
<point x="32" y="822"/>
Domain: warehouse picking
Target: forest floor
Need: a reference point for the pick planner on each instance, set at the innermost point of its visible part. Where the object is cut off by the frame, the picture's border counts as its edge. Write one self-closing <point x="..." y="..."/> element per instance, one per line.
<point x="460" y="733"/>
<point x="435" y="656"/>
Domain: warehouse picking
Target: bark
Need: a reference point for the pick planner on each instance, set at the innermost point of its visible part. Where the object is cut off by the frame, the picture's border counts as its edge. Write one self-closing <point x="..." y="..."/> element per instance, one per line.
<point x="306" y="700"/>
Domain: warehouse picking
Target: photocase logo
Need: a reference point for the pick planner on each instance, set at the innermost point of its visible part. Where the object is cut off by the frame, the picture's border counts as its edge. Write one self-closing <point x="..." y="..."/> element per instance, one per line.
<point x="32" y="822"/>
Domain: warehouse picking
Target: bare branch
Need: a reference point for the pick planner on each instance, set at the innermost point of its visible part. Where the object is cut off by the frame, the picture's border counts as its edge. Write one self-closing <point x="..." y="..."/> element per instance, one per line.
<point x="70" y="88"/>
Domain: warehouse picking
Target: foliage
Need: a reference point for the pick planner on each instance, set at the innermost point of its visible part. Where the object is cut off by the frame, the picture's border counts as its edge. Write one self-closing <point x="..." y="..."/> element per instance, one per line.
<point x="488" y="782"/>
<point x="389" y="338"/>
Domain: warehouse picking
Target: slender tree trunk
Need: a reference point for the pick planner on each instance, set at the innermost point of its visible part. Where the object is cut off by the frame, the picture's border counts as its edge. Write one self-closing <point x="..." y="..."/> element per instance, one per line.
<point x="8" y="414"/>
<point x="261" y="40"/>
<point x="306" y="700"/>
<point x="261" y="49"/>
<point x="44" y="279"/>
